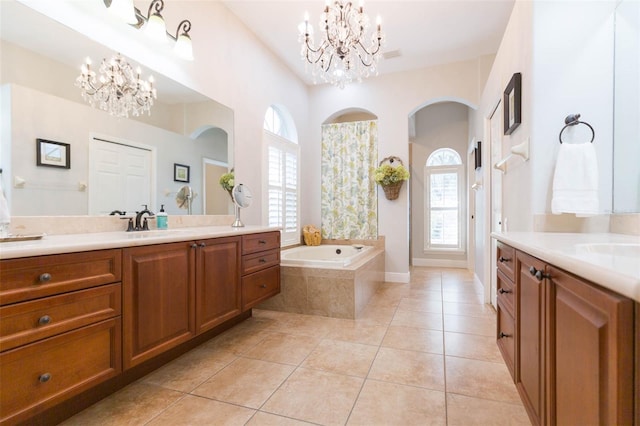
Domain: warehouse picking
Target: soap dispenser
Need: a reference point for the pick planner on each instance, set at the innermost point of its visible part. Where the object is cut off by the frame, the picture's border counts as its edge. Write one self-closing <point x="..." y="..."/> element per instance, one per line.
<point x="162" y="219"/>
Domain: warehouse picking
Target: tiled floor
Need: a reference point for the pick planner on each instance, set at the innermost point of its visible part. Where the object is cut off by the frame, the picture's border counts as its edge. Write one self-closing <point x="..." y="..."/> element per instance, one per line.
<point x="421" y="353"/>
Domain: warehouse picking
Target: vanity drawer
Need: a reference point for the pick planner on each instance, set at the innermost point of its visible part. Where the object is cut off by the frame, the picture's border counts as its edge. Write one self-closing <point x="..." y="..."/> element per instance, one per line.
<point x="28" y="322"/>
<point x="506" y="260"/>
<point x="255" y="262"/>
<point x="33" y="277"/>
<point x="260" y="286"/>
<point x="506" y="292"/>
<point x="505" y="335"/>
<point x="254" y="243"/>
<point x="38" y="376"/>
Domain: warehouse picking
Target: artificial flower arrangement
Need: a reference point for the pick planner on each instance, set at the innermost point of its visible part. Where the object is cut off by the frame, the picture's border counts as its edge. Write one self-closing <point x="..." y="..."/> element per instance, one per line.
<point x="227" y="182"/>
<point x="391" y="177"/>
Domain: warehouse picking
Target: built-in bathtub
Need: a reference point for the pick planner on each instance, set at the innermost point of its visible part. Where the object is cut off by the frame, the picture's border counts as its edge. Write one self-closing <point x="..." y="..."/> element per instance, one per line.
<point x="317" y="280"/>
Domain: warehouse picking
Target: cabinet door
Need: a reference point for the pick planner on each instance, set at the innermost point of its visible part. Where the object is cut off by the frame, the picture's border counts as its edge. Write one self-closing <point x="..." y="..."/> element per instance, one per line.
<point x="590" y="353"/>
<point x="159" y="299"/>
<point x="530" y="336"/>
<point x="217" y="281"/>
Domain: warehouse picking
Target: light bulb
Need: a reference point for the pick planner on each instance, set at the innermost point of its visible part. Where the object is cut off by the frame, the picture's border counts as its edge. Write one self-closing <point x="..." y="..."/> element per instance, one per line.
<point x="184" y="47"/>
<point x="155" y="28"/>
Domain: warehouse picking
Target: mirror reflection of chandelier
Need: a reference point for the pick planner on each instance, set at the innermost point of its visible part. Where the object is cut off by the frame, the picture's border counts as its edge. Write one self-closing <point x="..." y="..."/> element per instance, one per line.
<point x="344" y="54"/>
<point x="118" y="90"/>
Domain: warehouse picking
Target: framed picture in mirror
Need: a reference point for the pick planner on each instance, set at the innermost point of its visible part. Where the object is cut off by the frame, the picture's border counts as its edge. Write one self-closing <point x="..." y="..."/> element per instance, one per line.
<point x="53" y="154"/>
<point x="180" y="172"/>
<point x="512" y="102"/>
<point x="477" y="151"/>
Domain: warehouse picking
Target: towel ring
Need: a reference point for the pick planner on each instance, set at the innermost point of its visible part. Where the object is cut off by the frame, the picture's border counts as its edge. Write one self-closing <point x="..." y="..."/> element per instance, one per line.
<point x="573" y="120"/>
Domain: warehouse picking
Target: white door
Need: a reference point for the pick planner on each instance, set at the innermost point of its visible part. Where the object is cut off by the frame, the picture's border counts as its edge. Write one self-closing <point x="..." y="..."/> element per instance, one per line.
<point x="119" y="177"/>
<point x="496" y="194"/>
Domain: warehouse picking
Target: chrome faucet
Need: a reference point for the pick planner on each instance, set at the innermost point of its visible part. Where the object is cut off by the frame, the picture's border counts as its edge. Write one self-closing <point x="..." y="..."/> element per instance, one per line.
<point x="144" y="226"/>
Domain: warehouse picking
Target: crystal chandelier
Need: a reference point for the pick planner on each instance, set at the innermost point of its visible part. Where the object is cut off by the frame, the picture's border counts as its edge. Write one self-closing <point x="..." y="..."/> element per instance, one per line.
<point x="344" y="55"/>
<point x="118" y="90"/>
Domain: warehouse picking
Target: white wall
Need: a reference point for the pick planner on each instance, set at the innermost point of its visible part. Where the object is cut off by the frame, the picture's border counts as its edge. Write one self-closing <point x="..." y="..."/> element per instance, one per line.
<point x="392" y="98"/>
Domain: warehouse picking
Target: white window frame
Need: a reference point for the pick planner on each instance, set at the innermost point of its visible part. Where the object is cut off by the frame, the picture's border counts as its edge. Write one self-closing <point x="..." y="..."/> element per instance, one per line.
<point x="285" y="146"/>
<point x="444" y="248"/>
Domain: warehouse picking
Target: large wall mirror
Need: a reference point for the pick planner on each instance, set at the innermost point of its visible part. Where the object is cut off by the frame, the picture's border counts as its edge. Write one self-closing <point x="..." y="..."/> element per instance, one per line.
<point x="187" y="139"/>
<point x="626" y="155"/>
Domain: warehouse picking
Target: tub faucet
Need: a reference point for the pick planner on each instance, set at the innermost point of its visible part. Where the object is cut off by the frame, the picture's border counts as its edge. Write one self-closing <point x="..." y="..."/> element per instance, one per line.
<point x="139" y="215"/>
<point x="120" y="212"/>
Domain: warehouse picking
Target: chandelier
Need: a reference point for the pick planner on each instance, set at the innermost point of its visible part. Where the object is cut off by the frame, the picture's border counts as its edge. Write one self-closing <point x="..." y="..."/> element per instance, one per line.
<point x="119" y="90"/>
<point x="344" y="55"/>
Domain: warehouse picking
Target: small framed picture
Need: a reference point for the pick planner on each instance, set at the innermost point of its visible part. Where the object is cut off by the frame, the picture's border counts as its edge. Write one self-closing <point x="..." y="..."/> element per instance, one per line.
<point x="53" y="154"/>
<point x="513" y="104"/>
<point x="180" y="173"/>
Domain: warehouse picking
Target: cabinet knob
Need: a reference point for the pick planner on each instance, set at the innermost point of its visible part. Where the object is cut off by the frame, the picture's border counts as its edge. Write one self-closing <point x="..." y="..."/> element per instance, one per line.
<point x="43" y="278"/>
<point x="503" y="335"/>
<point x="503" y="291"/>
<point x="44" y="320"/>
<point x="202" y="245"/>
<point x="262" y="242"/>
<point x="538" y="273"/>
<point x="263" y="286"/>
<point x="503" y="259"/>
<point x="194" y="245"/>
<point x="262" y="260"/>
<point x="44" y="378"/>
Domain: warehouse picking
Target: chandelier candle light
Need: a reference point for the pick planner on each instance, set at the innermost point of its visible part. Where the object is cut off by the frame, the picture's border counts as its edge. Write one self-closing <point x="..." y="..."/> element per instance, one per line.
<point x="344" y="55"/>
<point x="118" y="90"/>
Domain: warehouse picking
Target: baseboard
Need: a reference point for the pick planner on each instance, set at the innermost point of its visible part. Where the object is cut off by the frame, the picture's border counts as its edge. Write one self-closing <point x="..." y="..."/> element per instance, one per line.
<point x="397" y="277"/>
<point x="439" y="263"/>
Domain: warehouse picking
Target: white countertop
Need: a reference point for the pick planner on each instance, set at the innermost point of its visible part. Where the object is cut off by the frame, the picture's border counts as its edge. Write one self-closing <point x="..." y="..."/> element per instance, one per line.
<point x="571" y="252"/>
<point x="71" y="243"/>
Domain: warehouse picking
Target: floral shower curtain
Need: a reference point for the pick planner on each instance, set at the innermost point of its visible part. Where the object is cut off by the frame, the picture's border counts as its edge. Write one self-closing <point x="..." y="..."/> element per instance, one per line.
<point x="349" y="196"/>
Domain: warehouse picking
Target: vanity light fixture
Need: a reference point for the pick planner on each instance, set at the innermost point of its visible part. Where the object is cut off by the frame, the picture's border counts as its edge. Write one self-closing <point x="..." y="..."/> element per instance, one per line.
<point x="344" y="54"/>
<point x="153" y="24"/>
<point x="118" y="90"/>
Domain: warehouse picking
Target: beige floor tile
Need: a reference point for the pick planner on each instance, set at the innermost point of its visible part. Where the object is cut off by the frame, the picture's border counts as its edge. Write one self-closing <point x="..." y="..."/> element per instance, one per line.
<point x="284" y="348"/>
<point x="426" y="293"/>
<point x="483" y="348"/>
<point x="357" y="332"/>
<point x="469" y="309"/>
<point x="267" y="419"/>
<point x="135" y="404"/>
<point x="235" y="340"/>
<point x="315" y="396"/>
<point x="420" y="305"/>
<point x="409" y="368"/>
<point x="467" y="411"/>
<point x="414" y="339"/>
<point x="480" y="379"/>
<point x="194" y="410"/>
<point x="462" y="287"/>
<point x="352" y="359"/>
<point x="384" y="301"/>
<point x="373" y="315"/>
<point x="383" y="403"/>
<point x="472" y="325"/>
<point x="246" y="382"/>
<point x="417" y="319"/>
<point x="191" y="369"/>
<point x="462" y="297"/>
<point x="304" y="325"/>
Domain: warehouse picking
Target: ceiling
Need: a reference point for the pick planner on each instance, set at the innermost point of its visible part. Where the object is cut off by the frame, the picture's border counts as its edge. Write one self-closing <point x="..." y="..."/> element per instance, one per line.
<point x="425" y="32"/>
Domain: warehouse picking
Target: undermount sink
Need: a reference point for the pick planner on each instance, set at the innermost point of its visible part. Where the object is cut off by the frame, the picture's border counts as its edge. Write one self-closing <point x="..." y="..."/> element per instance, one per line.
<point x="155" y="233"/>
<point x="611" y="249"/>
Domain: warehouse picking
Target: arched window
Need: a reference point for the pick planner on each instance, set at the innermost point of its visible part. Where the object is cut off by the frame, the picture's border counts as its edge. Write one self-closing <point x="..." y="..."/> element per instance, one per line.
<point x="444" y="202"/>
<point x="281" y="159"/>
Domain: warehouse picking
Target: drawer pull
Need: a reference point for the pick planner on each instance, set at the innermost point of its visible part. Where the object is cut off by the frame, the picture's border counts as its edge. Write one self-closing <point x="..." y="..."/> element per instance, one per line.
<point x="502" y="259"/>
<point x="503" y="291"/>
<point x="43" y="278"/>
<point x="44" y="378"/>
<point x="263" y="286"/>
<point x="44" y="320"/>
<point x="262" y="260"/>
<point x="262" y="242"/>
<point x="503" y="335"/>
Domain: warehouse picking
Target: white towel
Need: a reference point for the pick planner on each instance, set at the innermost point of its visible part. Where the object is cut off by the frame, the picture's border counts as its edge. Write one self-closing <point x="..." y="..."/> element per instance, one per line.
<point x="575" y="182"/>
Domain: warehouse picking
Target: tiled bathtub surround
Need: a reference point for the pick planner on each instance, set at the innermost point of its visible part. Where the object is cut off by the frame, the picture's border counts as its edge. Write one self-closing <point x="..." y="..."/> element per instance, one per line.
<point x="337" y="293"/>
<point x="420" y="353"/>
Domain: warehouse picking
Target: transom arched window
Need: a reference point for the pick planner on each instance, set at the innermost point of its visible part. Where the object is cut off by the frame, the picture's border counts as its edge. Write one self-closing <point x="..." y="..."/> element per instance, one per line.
<point x="444" y="202"/>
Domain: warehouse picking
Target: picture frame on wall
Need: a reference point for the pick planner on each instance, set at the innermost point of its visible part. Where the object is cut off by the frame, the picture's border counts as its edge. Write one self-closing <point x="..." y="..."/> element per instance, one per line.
<point x="512" y="101"/>
<point x="477" y="151"/>
<point x="181" y="172"/>
<point x="53" y="154"/>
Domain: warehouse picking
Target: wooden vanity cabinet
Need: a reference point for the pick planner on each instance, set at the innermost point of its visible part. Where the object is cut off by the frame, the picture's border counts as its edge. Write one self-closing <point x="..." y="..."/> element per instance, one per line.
<point x="158" y="299"/>
<point x="218" y="293"/>
<point x="575" y="346"/>
<point x="60" y="329"/>
<point x="260" y="268"/>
